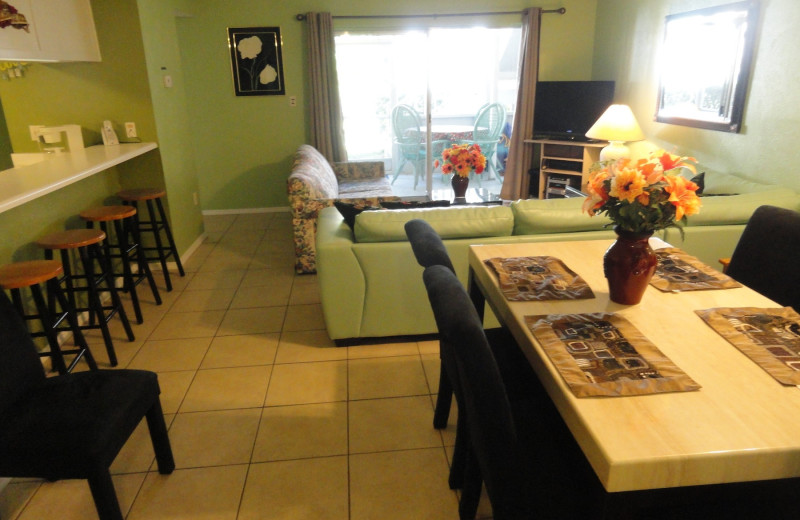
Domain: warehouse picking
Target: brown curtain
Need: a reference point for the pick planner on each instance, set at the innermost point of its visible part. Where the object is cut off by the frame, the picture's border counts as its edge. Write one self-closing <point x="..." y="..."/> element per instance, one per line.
<point x="520" y="155"/>
<point x="327" y="134"/>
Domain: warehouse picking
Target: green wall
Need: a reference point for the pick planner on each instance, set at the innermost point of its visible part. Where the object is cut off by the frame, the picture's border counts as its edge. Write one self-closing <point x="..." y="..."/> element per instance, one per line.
<point x="119" y="89"/>
<point x="244" y="146"/>
<point x="163" y="57"/>
<point x="627" y="42"/>
<point x="84" y="94"/>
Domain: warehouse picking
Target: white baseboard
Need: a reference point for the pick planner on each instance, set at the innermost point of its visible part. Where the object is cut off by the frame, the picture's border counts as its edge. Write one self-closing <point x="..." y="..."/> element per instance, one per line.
<point x="242" y="211"/>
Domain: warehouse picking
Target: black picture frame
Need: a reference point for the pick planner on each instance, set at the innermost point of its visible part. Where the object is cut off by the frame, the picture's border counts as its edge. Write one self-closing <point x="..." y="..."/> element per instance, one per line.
<point x="256" y="61"/>
<point x="717" y="101"/>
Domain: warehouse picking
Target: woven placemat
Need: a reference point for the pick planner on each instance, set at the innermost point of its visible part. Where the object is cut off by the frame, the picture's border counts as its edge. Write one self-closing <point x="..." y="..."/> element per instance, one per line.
<point x="603" y="354"/>
<point x="528" y="278"/>
<point x="770" y="337"/>
<point x="679" y="271"/>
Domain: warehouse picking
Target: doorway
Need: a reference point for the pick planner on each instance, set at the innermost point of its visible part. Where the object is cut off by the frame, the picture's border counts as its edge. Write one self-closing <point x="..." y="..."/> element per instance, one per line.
<point x="445" y="76"/>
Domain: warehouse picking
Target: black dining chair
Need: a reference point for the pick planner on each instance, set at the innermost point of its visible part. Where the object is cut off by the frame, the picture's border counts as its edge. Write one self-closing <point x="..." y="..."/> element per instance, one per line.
<point x="427" y="244"/>
<point x="523" y="454"/>
<point x="429" y="250"/>
<point x="767" y="254"/>
<point x="71" y="426"/>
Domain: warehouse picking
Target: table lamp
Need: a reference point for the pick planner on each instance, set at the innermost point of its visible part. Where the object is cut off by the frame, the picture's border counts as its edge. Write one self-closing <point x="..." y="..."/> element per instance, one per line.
<point x="617" y="126"/>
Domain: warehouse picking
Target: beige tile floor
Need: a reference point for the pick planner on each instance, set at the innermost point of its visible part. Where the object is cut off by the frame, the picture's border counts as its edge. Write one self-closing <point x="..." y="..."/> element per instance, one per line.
<point x="268" y="419"/>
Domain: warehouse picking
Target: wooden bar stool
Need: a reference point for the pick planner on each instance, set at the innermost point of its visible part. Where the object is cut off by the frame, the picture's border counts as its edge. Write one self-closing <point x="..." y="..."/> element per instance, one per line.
<point x="124" y="249"/>
<point x="156" y="224"/>
<point x="32" y="274"/>
<point x="86" y="244"/>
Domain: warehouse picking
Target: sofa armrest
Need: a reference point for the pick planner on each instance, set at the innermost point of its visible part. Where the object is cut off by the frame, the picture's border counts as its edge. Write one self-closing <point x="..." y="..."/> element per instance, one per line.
<point x="359" y="170"/>
<point x="342" y="284"/>
<point x="310" y="208"/>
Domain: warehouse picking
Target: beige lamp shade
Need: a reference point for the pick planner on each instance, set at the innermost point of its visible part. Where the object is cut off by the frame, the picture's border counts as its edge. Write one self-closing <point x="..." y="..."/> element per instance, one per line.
<point x="618" y="126"/>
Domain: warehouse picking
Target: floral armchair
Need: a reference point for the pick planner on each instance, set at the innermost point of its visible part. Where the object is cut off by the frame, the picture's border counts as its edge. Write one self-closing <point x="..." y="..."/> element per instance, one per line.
<point x="314" y="185"/>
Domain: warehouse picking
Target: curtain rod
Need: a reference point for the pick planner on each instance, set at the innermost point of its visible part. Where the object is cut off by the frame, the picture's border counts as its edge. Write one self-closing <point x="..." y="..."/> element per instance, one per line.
<point x="562" y="10"/>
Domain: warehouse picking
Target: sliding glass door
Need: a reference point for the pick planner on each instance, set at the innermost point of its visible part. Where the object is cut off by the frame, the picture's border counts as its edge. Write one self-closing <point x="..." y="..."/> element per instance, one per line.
<point x="402" y="90"/>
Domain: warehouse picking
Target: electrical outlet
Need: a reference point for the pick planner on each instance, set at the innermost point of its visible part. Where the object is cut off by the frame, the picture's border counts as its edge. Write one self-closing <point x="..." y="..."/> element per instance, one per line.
<point x="292" y="101"/>
<point x="34" y="129"/>
<point x="130" y="129"/>
<point x="195" y="199"/>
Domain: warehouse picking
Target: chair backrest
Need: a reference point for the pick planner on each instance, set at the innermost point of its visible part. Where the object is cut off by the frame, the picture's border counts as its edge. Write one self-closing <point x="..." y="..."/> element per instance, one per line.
<point x="427" y="244"/>
<point x="489" y="123"/>
<point x="767" y="255"/>
<point x="480" y="387"/>
<point x="406" y="124"/>
<point x="20" y="367"/>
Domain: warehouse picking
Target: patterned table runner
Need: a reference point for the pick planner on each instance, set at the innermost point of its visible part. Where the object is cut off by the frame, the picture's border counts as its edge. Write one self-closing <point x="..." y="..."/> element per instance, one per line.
<point x="770" y="337"/>
<point x="603" y="354"/>
<point x="679" y="271"/>
<point x="538" y="278"/>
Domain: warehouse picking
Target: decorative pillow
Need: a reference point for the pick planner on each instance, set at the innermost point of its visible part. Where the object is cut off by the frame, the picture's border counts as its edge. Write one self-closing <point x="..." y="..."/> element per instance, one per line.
<point x="700" y="180"/>
<point x="399" y="204"/>
<point x="350" y="211"/>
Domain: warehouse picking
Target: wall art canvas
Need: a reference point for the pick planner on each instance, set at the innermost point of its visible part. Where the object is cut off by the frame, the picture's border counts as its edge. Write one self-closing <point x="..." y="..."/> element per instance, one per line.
<point x="256" y="60"/>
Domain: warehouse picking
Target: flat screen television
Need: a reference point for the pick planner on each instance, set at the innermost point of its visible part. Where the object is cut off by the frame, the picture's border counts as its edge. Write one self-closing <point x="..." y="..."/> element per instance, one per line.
<point x="565" y="110"/>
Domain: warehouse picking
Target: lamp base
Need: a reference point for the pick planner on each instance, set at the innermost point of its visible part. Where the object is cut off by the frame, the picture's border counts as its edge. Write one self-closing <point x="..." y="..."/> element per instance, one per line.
<point x="615" y="150"/>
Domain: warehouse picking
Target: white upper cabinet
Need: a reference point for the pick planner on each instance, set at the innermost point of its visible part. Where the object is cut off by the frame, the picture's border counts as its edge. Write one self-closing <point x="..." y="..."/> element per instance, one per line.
<point x="52" y="30"/>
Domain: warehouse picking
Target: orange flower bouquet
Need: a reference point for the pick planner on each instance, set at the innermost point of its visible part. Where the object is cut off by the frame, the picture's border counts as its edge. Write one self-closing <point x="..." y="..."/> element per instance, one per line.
<point x="462" y="159"/>
<point x="644" y="195"/>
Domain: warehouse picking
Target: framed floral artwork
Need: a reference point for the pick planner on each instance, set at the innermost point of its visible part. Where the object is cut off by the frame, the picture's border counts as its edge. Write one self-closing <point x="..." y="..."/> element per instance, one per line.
<point x="256" y="61"/>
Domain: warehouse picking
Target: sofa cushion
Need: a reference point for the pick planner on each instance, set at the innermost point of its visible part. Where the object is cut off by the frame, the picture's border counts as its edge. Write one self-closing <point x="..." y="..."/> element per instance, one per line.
<point x="363" y="188"/>
<point x="452" y="222"/>
<point x="542" y="216"/>
<point x="737" y="209"/>
<point x="725" y="184"/>
<point x="413" y="204"/>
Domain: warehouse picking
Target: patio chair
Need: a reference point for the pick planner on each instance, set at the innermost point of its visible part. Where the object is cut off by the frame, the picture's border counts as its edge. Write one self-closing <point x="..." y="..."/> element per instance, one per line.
<point x="409" y="139"/>
<point x="489" y="125"/>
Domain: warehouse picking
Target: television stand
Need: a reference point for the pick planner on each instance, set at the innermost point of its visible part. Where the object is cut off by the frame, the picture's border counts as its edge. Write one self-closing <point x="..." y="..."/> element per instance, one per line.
<point x="565" y="160"/>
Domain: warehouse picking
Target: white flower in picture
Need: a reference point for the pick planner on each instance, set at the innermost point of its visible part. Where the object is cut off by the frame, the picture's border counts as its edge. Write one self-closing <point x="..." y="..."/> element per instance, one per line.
<point x="250" y="47"/>
<point x="268" y="75"/>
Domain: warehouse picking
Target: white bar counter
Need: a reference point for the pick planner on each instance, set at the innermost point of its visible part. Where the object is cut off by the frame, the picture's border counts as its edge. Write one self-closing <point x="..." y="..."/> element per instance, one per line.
<point x="26" y="183"/>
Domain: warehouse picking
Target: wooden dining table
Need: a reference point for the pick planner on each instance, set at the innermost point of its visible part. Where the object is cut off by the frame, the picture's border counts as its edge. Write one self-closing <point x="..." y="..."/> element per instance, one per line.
<point x="741" y="425"/>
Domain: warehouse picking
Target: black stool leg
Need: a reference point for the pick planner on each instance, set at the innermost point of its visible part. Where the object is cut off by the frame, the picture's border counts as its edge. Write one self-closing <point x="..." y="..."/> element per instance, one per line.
<point x="96" y="305"/>
<point x="55" y="353"/>
<point x="54" y="290"/>
<point x="165" y="223"/>
<point x="128" y="283"/>
<point x="105" y="266"/>
<point x="131" y="229"/>
<point x="155" y="226"/>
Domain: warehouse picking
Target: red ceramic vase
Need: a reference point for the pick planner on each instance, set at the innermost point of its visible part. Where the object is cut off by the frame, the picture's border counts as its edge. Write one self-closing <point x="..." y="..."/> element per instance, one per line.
<point x="629" y="265"/>
<point x="460" y="185"/>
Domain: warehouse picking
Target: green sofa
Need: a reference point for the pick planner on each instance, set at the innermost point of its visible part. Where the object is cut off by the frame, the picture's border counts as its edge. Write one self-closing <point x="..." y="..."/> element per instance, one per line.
<point x="371" y="284"/>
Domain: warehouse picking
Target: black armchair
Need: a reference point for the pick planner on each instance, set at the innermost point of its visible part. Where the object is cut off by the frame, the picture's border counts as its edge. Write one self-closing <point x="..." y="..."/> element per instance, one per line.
<point x="71" y="426"/>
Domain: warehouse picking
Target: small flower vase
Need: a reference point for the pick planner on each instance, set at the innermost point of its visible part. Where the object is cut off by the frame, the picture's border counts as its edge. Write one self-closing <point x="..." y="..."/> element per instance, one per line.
<point x="460" y="185"/>
<point x="629" y="265"/>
